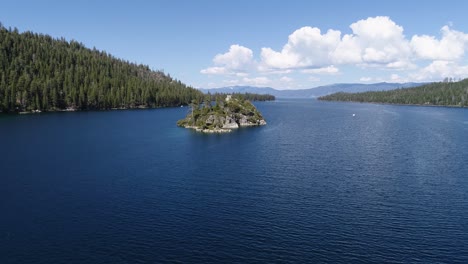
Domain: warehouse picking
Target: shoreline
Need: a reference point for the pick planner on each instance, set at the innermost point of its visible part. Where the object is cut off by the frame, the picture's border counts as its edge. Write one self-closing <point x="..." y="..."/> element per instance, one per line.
<point x="37" y="111"/>
<point x="84" y="110"/>
<point x="209" y="131"/>
<point x="222" y="130"/>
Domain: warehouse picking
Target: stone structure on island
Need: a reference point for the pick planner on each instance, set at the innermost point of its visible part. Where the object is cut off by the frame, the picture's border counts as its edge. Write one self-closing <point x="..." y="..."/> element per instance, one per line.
<point x="228" y="113"/>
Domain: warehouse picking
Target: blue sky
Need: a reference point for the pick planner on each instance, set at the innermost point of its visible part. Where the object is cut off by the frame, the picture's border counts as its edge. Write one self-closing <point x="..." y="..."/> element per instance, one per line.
<point x="281" y="44"/>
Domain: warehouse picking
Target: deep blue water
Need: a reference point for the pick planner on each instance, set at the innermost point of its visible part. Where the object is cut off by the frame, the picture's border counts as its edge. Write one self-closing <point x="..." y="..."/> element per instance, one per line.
<point x="315" y="185"/>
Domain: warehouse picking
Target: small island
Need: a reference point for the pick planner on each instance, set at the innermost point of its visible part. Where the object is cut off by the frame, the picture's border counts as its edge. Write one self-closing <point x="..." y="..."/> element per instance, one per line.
<point x="229" y="112"/>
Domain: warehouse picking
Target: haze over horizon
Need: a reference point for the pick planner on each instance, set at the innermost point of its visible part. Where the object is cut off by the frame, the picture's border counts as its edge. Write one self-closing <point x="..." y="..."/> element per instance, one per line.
<point x="300" y="45"/>
<point x="307" y="88"/>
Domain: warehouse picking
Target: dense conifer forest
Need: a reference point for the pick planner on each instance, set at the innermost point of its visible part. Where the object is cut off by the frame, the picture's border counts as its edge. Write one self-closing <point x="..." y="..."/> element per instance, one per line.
<point x="38" y="72"/>
<point x="446" y="93"/>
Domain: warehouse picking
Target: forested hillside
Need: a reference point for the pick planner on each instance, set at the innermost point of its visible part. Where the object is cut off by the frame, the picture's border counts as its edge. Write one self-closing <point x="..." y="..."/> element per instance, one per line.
<point x="445" y="93"/>
<point x="38" y="72"/>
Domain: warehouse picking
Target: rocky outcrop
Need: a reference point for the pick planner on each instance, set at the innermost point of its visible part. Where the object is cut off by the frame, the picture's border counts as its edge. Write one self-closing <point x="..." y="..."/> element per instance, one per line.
<point x="232" y="113"/>
<point x="230" y="123"/>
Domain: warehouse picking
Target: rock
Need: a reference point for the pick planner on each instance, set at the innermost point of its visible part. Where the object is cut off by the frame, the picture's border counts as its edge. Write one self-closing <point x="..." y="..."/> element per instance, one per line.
<point x="210" y="120"/>
<point x="244" y="122"/>
<point x="230" y="123"/>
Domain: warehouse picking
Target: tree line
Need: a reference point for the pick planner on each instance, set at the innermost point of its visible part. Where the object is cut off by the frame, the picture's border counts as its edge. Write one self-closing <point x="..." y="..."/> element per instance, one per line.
<point x="38" y="72"/>
<point x="244" y="96"/>
<point x="446" y="93"/>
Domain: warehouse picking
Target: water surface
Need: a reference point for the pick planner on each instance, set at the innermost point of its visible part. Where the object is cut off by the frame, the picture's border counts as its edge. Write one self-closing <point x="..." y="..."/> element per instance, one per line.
<point x="315" y="185"/>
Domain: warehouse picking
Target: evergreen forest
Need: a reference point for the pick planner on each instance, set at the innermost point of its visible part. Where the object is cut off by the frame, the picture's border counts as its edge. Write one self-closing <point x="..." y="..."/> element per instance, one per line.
<point x="40" y="73"/>
<point x="446" y="93"/>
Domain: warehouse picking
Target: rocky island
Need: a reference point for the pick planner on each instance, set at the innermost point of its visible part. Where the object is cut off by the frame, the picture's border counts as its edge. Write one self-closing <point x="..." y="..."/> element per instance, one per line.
<point x="228" y="113"/>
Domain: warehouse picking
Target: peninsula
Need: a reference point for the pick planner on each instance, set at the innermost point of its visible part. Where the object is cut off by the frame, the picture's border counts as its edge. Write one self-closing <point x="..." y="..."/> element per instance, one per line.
<point x="229" y="112"/>
<point x="447" y="93"/>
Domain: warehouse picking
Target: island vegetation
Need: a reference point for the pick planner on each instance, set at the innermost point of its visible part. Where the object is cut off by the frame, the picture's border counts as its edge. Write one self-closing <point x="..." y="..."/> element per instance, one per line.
<point x="445" y="93"/>
<point x="245" y="96"/>
<point x="226" y="113"/>
<point x="40" y="73"/>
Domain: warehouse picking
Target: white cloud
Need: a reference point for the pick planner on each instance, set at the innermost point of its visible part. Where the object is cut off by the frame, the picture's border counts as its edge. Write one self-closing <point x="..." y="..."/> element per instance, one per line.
<point x="451" y="46"/>
<point x="325" y="70"/>
<point x="376" y="42"/>
<point x="440" y="69"/>
<point x="401" y="65"/>
<point x="257" y="81"/>
<point x="286" y="79"/>
<point x="265" y="70"/>
<point x="241" y="74"/>
<point x="306" y="47"/>
<point x="379" y="41"/>
<point x="215" y="70"/>
<point x="394" y="77"/>
<point x="348" y="51"/>
<point x="377" y="28"/>
<point x="238" y="59"/>
<point x="231" y="82"/>
<point x="262" y="81"/>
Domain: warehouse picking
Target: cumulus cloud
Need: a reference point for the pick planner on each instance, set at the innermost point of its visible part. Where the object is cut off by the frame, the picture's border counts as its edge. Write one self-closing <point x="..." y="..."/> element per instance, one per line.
<point x="325" y="70"/>
<point x="451" y="46"/>
<point x="348" y="51"/>
<point x="380" y="40"/>
<point x="375" y="42"/>
<point x="215" y="70"/>
<point x="440" y="69"/>
<point x="238" y="59"/>
<point x="306" y="47"/>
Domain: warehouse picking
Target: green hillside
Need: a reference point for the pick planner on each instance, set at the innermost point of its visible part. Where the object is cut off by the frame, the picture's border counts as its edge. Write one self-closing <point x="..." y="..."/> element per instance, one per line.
<point x="442" y="93"/>
<point x="38" y="72"/>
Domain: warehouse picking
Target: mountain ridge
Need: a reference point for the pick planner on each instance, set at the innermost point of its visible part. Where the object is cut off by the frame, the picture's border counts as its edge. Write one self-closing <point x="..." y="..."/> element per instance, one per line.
<point x="315" y="91"/>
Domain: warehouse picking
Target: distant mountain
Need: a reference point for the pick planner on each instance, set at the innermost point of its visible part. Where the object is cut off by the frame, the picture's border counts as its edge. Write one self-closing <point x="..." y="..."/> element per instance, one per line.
<point x="314" y="92"/>
<point x="242" y="89"/>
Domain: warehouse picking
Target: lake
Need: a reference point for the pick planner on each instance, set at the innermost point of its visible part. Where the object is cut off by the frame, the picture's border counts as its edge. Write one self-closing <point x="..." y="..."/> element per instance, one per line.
<point x="317" y="184"/>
